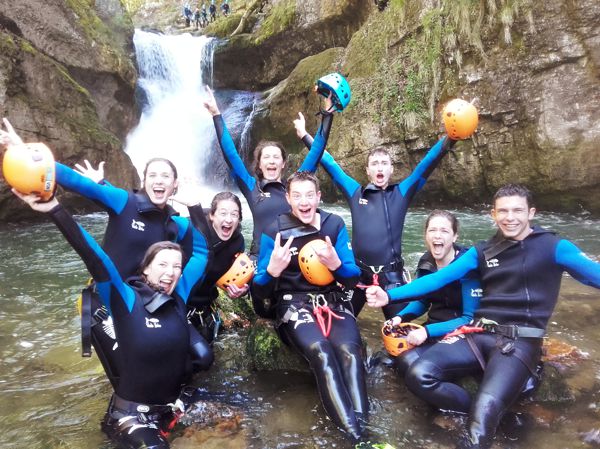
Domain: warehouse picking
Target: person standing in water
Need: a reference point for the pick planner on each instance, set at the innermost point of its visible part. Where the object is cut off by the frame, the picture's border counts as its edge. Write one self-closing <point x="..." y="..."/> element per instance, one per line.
<point x="520" y="269"/>
<point x="378" y="212"/>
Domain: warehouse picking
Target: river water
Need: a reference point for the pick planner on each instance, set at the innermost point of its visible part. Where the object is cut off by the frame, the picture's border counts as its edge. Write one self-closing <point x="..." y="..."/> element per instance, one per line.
<point x="53" y="398"/>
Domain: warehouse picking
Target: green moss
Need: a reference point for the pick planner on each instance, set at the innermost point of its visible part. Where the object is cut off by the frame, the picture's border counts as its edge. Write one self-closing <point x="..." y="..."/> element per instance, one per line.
<point x="100" y="34"/>
<point x="310" y="69"/>
<point x="281" y="17"/>
<point x="27" y="47"/>
<point x="223" y="26"/>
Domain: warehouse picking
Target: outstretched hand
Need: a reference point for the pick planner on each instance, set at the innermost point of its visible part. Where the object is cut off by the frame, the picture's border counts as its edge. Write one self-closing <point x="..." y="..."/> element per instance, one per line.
<point x="376" y="296"/>
<point x="209" y="102"/>
<point x="328" y="256"/>
<point x="95" y="174"/>
<point x="280" y="257"/>
<point x="300" y="126"/>
<point x="35" y="202"/>
<point x="9" y="137"/>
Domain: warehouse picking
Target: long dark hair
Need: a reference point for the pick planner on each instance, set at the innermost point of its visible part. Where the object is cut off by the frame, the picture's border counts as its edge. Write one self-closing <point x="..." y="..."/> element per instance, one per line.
<point x="258" y="153"/>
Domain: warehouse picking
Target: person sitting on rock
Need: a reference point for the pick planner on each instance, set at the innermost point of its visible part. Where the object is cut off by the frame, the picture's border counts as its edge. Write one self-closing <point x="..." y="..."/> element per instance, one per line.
<point x="448" y="308"/>
<point x="312" y="314"/>
<point x="520" y="269"/>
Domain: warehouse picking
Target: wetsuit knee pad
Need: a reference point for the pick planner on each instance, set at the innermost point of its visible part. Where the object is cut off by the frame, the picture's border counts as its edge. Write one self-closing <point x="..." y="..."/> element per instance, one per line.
<point x="404" y="361"/>
<point x="317" y="349"/>
<point x="422" y="375"/>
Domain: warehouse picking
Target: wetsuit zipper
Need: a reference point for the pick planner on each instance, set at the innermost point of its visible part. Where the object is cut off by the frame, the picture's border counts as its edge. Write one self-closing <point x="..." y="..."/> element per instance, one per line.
<point x="528" y="310"/>
<point x="389" y="225"/>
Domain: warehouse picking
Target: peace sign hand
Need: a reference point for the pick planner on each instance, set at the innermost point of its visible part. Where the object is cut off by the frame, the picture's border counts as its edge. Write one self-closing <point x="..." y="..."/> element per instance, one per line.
<point x="280" y="257"/>
<point x="9" y="137"/>
<point x="328" y="256"/>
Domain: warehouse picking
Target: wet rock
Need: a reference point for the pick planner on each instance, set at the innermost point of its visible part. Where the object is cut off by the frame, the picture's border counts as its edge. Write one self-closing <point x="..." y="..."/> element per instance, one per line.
<point x="266" y="351"/>
<point x="592" y="437"/>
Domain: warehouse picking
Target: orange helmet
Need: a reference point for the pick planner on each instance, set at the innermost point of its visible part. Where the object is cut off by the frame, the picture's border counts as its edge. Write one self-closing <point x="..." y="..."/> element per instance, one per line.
<point x="460" y="119"/>
<point x="313" y="270"/>
<point x="29" y="168"/>
<point x="394" y="337"/>
<point x="240" y="272"/>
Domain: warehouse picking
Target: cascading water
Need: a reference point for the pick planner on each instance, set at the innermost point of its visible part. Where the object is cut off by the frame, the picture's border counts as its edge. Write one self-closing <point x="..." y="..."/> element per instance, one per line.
<point x="174" y="124"/>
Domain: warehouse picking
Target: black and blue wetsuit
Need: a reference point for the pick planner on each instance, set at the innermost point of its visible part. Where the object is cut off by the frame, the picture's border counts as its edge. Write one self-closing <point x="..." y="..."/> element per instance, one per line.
<point x="447" y="309"/>
<point x="266" y="199"/>
<point x="134" y="223"/>
<point x="336" y="360"/>
<point x="521" y="282"/>
<point x="154" y="342"/>
<point x="378" y="220"/>
<point x="201" y="312"/>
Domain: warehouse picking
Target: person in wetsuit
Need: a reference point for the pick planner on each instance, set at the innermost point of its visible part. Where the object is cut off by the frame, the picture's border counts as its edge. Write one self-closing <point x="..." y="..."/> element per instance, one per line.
<point x="520" y="269"/>
<point x="225" y="241"/>
<point x="378" y="212"/>
<point x="149" y="316"/>
<point x="448" y="308"/>
<point x="265" y="193"/>
<point x="136" y="219"/>
<point x="334" y="355"/>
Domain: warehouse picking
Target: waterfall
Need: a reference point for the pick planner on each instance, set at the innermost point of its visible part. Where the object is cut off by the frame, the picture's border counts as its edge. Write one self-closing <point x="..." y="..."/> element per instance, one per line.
<point x="174" y="124"/>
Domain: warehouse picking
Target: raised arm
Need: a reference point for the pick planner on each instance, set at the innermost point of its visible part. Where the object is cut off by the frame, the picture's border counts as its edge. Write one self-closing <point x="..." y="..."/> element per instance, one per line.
<point x="244" y="179"/>
<point x="345" y="183"/>
<point x="112" y="198"/>
<point x="415" y="182"/>
<point x="318" y="145"/>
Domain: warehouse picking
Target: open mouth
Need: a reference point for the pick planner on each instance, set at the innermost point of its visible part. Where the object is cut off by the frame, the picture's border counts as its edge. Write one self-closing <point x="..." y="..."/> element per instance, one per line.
<point x="165" y="285"/>
<point x="226" y="230"/>
<point x="159" y="192"/>
<point x="379" y="177"/>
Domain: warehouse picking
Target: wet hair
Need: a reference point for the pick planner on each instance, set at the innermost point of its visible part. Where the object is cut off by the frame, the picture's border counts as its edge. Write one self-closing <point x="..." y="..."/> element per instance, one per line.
<point x="154" y="249"/>
<point x="160" y="159"/>
<point x="445" y="214"/>
<point x="514" y="190"/>
<point x="258" y="153"/>
<point x="302" y="176"/>
<point x="379" y="150"/>
<point x="225" y="196"/>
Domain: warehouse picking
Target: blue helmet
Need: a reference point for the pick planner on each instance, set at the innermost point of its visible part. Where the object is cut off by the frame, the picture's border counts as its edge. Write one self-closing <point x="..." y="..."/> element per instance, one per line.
<point x="336" y="84"/>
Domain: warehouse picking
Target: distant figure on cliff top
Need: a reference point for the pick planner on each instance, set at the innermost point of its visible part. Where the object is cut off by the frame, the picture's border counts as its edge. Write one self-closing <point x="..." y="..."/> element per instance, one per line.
<point x="225" y="8"/>
<point x="213" y="11"/>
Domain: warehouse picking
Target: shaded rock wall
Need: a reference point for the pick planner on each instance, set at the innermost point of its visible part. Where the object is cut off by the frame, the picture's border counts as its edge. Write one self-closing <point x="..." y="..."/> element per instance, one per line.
<point x="67" y="79"/>
<point x="534" y="72"/>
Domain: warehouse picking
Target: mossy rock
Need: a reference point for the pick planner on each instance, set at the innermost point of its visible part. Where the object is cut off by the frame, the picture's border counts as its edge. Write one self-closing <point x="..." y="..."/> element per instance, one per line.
<point x="266" y="352"/>
<point x="223" y="26"/>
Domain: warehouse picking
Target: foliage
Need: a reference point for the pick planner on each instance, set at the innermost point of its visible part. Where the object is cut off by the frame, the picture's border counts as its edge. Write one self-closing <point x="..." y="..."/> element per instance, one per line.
<point x="133" y="6"/>
<point x="281" y="17"/>
<point x="401" y="54"/>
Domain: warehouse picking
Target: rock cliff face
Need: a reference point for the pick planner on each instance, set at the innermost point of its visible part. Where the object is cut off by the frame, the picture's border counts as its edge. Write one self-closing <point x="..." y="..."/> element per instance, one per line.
<point x="67" y="79"/>
<point x="534" y="72"/>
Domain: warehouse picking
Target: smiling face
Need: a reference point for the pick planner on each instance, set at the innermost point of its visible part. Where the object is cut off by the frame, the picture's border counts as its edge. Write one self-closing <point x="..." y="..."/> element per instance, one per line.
<point x="271" y="163"/>
<point x="304" y="198"/>
<point x="379" y="169"/>
<point x="439" y="238"/>
<point x="159" y="182"/>
<point x="225" y="219"/>
<point x="512" y="215"/>
<point x="164" y="270"/>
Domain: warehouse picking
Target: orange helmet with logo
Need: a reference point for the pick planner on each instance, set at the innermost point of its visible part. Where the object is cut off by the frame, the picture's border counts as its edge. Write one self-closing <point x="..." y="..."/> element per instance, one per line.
<point x="394" y="337"/>
<point x="460" y="119"/>
<point x="313" y="270"/>
<point x="29" y="168"/>
<point x="240" y="272"/>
